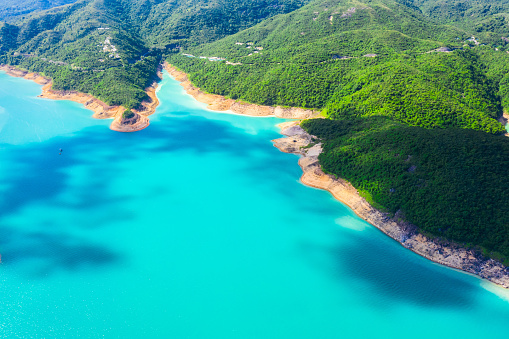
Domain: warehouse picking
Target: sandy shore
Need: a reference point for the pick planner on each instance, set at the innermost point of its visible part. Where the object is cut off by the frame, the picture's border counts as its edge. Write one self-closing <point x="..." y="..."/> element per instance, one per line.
<point x="445" y="253"/>
<point x="221" y="104"/>
<point x="101" y="110"/>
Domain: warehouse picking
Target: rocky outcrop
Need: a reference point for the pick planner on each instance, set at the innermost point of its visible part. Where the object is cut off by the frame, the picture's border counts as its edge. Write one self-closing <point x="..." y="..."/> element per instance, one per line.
<point x="294" y="113"/>
<point x="221" y="104"/>
<point x="132" y="124"/>
<point x="443" y="252"/>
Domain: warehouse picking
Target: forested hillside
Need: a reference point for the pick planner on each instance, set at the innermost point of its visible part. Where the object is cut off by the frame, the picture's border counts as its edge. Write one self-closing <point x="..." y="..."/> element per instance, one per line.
<point x="449" y="182"/>
<point x="111" y="48"/>
<point x="357" y="59"/>
<point x="193" y="22"/>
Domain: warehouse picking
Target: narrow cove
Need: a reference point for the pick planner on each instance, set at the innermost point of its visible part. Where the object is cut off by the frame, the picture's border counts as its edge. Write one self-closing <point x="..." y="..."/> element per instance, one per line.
<point x="197" y="227"/>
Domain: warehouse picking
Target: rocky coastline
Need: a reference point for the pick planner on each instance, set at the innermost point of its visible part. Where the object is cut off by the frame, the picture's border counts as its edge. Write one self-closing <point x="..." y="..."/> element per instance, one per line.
<point x="133" y="124"/>
<point x="101" y="110"/>
<point x="298" y="141"/>
<point x="446" y="253"/>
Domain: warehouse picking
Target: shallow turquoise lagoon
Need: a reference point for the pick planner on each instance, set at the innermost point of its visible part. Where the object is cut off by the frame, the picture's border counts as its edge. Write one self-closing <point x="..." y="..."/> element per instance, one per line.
<point x="197" y="227"/>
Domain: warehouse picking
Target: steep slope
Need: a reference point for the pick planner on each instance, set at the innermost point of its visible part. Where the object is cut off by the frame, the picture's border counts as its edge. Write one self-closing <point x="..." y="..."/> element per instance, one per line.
<point x="192" y="22"/>
<point x="430" y="91"/>
<point x="8" y="34"/>
<point x="325" y="28"/>
<point x="353" y="58"/>
<point x="449" y="182"/>
<point x="85" y="47"/>
<point x="111" y="48"/>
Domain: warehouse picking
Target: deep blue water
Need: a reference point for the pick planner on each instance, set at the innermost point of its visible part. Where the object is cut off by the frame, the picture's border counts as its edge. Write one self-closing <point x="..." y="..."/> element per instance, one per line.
<point x="197" y="227"/>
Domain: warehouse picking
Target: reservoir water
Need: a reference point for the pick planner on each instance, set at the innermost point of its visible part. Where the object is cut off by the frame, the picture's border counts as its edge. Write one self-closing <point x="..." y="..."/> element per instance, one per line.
<point x="197" y="227"/>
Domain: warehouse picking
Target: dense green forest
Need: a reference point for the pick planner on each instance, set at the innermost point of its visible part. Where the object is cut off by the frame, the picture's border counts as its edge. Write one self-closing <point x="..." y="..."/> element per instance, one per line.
<point x="359" y="59"/>
<point x="478" y="15"/>
<point x="449" y="182"/>
<point x="111" y="48"/>
<point x="428" y="90"/>
<point x="413" y="89"/>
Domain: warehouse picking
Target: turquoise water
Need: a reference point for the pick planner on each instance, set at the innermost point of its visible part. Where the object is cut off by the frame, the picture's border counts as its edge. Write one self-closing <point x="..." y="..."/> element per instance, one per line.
<point x="197" y="227"/>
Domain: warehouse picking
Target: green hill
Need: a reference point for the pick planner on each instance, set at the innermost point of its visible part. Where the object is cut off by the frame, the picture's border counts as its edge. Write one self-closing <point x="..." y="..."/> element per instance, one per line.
<point x="354" y="59"/>
<point x="449" y="182"/>
<point x="111" y="48"/>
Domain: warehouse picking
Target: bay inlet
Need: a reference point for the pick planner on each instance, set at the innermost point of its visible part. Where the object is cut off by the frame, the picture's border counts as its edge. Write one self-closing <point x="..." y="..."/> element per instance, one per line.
<point x="197" y="227"/>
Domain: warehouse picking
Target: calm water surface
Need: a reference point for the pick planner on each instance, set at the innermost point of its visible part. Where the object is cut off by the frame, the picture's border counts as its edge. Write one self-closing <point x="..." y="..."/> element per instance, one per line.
<point x="197" y="227"/>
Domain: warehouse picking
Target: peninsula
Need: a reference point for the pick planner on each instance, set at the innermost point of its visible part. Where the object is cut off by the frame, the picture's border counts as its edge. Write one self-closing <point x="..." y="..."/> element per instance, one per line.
<point x="135" y="121"/>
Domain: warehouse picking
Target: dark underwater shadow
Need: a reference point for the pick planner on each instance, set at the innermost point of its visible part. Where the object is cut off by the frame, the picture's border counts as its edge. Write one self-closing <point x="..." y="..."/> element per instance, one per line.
<point x="381" y="267"/>
<point x="44" y="253"/>
<point x="38" y="173"/>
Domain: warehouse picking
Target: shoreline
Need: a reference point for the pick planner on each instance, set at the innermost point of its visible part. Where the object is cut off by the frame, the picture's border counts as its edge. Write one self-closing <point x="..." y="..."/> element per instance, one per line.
<point x="219" y="103"/>
<point x="441" y="252"/>
<point x="100" y="109"/>
<point x="297" y="141"/>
